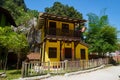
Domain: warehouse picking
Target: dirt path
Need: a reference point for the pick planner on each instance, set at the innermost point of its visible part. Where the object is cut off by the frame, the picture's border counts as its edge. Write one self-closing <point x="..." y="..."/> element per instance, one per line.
<point x="110" y="73"/>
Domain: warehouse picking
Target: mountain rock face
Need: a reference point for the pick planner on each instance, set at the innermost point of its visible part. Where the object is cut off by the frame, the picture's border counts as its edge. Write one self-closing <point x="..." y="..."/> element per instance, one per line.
<point x="32" y="33"/>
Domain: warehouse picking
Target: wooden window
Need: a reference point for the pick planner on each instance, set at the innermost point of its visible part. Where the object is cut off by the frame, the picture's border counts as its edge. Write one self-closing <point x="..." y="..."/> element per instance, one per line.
<point x="52" y="24"/>
<point x="68" y="53"/>
<point x="52" y="52"/>
<point x="65" y="28"/>
<point x="52" y="28"/>
<point x="82" y="53"/>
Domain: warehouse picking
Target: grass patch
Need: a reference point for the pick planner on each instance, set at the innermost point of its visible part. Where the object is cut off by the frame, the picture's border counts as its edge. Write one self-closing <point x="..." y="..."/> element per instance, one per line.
<point x="11" y="74"/>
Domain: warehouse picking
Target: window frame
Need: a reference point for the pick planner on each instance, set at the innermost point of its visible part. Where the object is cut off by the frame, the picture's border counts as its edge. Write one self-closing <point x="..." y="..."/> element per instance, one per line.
<point x="52" y="27"/>
<point x="65" y="27"/>
<point x="52" y="53"/>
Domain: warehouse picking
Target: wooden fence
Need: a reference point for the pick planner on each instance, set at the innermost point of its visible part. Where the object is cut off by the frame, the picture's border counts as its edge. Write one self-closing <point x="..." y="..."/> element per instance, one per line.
<point x="41" y="68"/>
<point x="117" y="58"/>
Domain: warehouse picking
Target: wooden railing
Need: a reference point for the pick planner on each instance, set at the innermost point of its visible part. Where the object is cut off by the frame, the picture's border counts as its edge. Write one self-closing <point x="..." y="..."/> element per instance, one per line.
<point x="62" y="32"/>
<point x="41" y="68"/>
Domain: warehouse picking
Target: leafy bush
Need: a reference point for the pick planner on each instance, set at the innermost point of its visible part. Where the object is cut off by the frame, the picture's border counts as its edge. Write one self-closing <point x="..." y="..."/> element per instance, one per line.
<point x="112" y="61"/>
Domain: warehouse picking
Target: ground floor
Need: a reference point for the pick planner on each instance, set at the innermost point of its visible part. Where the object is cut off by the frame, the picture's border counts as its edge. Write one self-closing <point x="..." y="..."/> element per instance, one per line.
<point x="53" y="50"/>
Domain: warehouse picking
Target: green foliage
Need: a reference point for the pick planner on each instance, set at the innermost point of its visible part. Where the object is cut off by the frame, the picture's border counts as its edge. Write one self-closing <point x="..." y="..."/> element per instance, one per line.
<point x="101" y="36"/>
<point x="64" y="10"/>
<point x="13" y="7"/>
<point x="12" y="74"/>
<point x="112" y="61"/>
<point x="18" y="10"/>
<point x="1" y="2"/>
<point x="26" y="16"/>
<point x="12" y="41"/>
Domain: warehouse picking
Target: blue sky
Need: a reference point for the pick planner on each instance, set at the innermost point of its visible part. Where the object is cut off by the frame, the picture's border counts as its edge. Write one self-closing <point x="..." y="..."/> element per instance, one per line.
<point x="83" y="6"/>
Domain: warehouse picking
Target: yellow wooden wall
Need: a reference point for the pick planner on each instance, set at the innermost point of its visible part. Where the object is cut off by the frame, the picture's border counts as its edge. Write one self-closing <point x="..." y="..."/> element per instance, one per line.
<point x="78" y="47"/>
<point x="52" y="44"/>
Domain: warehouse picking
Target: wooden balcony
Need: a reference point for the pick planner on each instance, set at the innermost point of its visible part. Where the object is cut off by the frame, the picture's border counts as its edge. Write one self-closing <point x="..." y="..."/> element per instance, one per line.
<point x="60" y="34"/>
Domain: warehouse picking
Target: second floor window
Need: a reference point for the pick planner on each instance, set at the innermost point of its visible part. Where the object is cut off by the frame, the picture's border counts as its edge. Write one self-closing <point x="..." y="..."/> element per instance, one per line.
<point x="52" y="28"/>
<point x="65" y="28"/>
<point x="52" y="24"/>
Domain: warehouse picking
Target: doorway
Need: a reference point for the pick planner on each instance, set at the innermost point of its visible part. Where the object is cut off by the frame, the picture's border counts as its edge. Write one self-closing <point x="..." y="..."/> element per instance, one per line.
<point x="82" y="51"/>
<point x="68" y="53"/>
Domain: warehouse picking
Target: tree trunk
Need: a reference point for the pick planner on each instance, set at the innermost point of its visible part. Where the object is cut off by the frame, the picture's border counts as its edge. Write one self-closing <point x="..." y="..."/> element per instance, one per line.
<point x="5" y="66"/>
<point x="18" y="60"/>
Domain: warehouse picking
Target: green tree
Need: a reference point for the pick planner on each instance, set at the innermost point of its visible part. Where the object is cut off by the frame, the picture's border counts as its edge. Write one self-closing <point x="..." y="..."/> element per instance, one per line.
<point x="1" y="2"/>
<point x="20" y="42"/>
<point x="6" y="42"/>
<point x="64" y="10"/>
<point x="14" y="7"/>
<point x="101" y="36"/>
<point x="26" y="16"/>
<point x="23" y="16"/>
<point x="12" y="41"/>
<point x="18" y="10"/>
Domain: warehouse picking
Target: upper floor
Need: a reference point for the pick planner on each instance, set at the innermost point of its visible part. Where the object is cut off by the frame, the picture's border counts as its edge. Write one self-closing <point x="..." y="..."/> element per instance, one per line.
<point x="59" y="27"/>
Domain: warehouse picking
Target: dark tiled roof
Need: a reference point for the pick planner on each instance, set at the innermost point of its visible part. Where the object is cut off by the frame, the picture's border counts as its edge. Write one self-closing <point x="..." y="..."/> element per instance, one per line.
<point x="58" y="17"/>
<point x="43" y="16"/>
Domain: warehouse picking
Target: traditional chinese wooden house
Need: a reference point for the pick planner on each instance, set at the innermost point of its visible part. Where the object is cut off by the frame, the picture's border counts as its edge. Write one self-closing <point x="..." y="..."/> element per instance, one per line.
<point x="60" y="40"/>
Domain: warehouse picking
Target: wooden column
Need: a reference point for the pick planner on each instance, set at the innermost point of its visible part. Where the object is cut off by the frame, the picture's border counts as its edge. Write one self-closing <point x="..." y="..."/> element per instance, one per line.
<point x="62" y="50"/>
<point x="73" y="51"/>
<point x="43" y="51"/>
<point x="73" y="54"/>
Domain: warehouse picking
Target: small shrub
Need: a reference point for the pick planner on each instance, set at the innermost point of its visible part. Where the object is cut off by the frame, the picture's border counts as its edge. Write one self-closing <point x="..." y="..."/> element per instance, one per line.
<point x="112" y="61"/>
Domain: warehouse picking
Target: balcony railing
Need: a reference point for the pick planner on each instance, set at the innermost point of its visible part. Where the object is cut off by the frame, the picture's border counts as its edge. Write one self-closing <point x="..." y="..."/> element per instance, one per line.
<point x="63" y="32"/>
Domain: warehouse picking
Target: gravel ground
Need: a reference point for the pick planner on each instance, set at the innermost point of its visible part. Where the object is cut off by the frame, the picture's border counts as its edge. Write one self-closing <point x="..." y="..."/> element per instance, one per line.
<point x="110" y="73"/>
